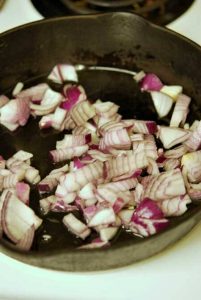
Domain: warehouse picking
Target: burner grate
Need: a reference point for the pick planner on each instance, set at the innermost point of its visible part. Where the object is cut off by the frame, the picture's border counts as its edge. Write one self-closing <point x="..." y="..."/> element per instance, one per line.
<point x="160" y="12"/>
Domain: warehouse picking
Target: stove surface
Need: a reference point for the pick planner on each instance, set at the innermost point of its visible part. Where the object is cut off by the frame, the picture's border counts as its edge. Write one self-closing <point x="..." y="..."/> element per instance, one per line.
<point x="158" y="11"/>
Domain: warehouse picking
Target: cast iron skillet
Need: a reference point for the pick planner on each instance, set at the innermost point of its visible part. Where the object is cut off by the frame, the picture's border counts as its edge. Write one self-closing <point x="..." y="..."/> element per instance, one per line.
<point x="119" y="40"/>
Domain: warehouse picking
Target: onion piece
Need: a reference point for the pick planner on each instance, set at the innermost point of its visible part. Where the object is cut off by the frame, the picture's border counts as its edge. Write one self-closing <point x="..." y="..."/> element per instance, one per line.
<point x="165" y="185"/>
<point x="46" y="203"/>
<point x="2" y="163"/>
<point x="145" y="127"/>
<point x="22" y="155"/>
<point x="99" y="155"/>
<point x="151" y="82"/>
<point x="82" y="112"/>
<point x="17" y="89"/>
<point x="68" y="123"/>
<point x="180" y="111"/>
<point x="70" y="140"/>
<point x="147" y="219"/>
<point x="76" y="226"/>
<point x="171" y="163"/>
<point x="105" y="216"/>
<point x="74" y="181"/>
<point x="62" y="206"/>
<point x="105" y="109"/>
<point x="171" y="136"/>
<point x="176" y="206"/>
<point x="107" y="234"/>
<point x="63" y="72"/>
<point x="192" y="162"/>
<point x="139" y="76"/>
<point x="50" y="101"/>
<point x="126" y="215"/>
<point x="32" y="175"/>
<point x="193" y="143"/>
<point x="176" y="152"/>
<point x="51" y="180"/>
<point x="27" y="240"/>
<point x="3" y="100"/>
<point x="152" y="168"/>
<point x="17" y="218"/>
<point x="14" y="113"/>
<point x="34" y="93"/>
<point x="87" y="192"/>
<point x="120" y="186"/>
<point x="162" y="103"/>
<point x="67" y="153"/>
<point x="172" y="90"/>
<point x="148" y="146"/>
<point x="118" y="139"/>
<point x="23" y="192"/>
<point x="73" y="94"/>
<point x="124" y="164"/>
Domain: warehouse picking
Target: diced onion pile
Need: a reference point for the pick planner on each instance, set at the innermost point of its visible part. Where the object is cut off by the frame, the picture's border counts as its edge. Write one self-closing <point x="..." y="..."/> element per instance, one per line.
<point x="113" y="172"/>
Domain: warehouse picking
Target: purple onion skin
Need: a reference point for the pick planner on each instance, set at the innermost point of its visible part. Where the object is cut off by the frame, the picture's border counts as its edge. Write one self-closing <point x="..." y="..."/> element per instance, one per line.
<point x="151" y="82"/>
<point x="72" y="94"/>
<point x="152" y="127"/>
<point x="161" y="226"/>
<point x="88" y="138"/>
<point x="94" y="147"/>
<point x="161" y="159"/>
<point x="44" y="188"/>
<point x="77" y="163"/>
<point x="149" y="209"/>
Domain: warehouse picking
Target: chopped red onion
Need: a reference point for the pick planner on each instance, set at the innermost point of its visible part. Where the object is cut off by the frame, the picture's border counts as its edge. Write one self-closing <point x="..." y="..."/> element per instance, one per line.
<point x="105" y="109"/>
<point x="176" y="206"/>
<point x="162" y="103"/>
<point x="171" y="136"/>
<point x="51" y="180"/>
<point x="27" y="240"/>
<point x="118" y="139"/>
<point x="3" y="100"/>
<point x="63" y="72"/>
<point x="192" y="162"/>
<point x="165" y="185"/>
<point x="145" y="127"/>
<point x="180" y="111"/>
<point x="23" y="192"/>
<point x="46" y="203"/>
<point x="147" y="219"/>
<point x="106" y="179"/>
<point x="193" y="142"/>
<point x="14" y="113"/>
<point x="172" y="90"/>
<point x="75" y="226"/>
<point x="171" y="163"/>
<point x="17" y="89"/>
<point x="151" y="82"/>
<point x="125" y="163"/>
<point x="82" y="112"/>
<point x="34" y="94"/>
<point x="17" y="218"/>
<point x="73" y="94"/>
<point x="70" y="140"/>
<point x="68" y="153"/>
<point x="74" y="181"/>
<point x="107" y="234"/>
<point x="104" y="216"/>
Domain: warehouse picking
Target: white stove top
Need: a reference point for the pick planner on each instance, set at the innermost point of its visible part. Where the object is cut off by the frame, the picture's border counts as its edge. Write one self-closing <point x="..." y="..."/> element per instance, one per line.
<point x="173" y="274"/>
